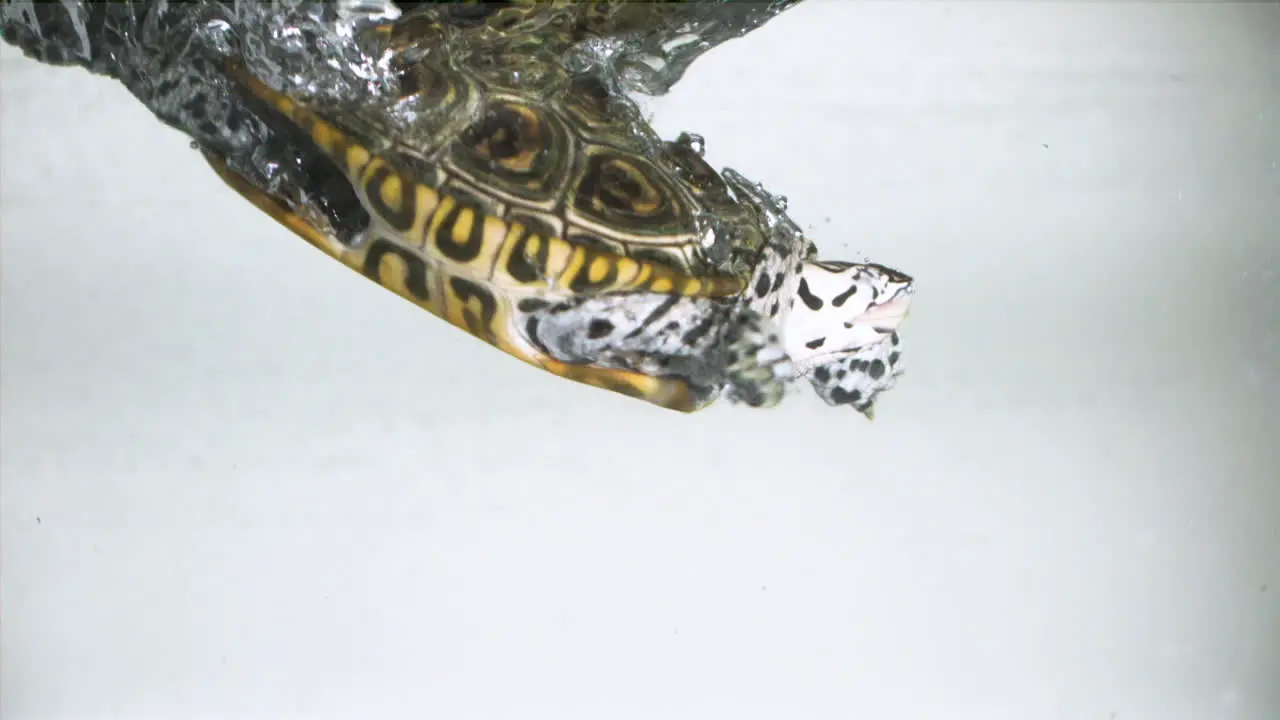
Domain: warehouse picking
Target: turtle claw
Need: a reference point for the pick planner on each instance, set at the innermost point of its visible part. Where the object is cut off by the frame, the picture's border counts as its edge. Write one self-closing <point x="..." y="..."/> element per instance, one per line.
<point x="856" y="379"/>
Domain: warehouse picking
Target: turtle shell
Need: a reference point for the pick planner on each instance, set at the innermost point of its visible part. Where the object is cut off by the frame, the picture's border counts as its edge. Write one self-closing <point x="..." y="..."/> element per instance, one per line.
<point x="503" y="183"/>
<point x="500" y="121"/>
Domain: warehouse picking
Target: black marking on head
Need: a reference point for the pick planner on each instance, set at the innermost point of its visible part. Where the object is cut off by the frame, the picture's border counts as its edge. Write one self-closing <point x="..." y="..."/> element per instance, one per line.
<point x="530" y="305"/>
<point x="877" y="369"/>
<point x="844" y="397"/>
<point x="893" y="338"/>
<point x="697" y="332"/>
<point x="481" y="324"/>
<point x="773" y="309"/>
<point x="833" y="266"/>
<point x="401" y="217"/>
<point x="778" y="280"/>
<point x="815" y="344"/>
<point x="525" y="269"/>
<point x="821" y="374"/>
<point x="671" y="326"/>
<point x="893" y="357"/>
<point x="762" y="285"/>
<point x="841" y="374"/>
<point x="844" y="296"/>
<point x="415" y="280"/>
<point x="812" y="301"/>
<point x="663" y="308"/>
<point x="894" y="276"/>
<point x="599" y="328"/>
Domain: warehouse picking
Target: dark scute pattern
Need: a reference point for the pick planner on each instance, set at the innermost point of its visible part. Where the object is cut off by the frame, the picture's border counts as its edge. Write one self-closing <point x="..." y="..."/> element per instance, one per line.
<point x="627" y="192"/>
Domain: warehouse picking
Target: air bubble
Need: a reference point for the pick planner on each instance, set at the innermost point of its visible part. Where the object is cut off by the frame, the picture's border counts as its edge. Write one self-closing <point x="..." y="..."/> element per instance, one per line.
<point x="694" y="142"/>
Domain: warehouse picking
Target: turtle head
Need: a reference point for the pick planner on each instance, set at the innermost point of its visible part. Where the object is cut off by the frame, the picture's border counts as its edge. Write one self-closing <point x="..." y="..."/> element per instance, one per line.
<point x="842" y="330"/>
<point x="843" y="308"/>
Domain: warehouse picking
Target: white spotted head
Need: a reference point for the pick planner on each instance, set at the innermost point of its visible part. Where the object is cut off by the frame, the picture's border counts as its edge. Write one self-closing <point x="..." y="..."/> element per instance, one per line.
<point x="840" y="308"/>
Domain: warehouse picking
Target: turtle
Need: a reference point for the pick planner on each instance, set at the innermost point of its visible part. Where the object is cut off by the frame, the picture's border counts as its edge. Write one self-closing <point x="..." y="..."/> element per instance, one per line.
<point x="532" y="207"/>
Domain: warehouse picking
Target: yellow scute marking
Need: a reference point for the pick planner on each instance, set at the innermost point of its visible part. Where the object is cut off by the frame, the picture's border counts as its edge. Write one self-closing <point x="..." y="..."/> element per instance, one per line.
<point x="495" y="232"/>
<point x="437" y="218"/>
<point x="392" y="191"/>
<point x="357" y="158"/>
<point x="628" y="269"/>
<point x="561" y="257"/>
<point x="661" y="285"/>
<point x="462" y="227"/>
<point x="427" y="202"/>
<point x="598" y="270"/>
<point x="325" y="136"/>
<point x="642" y="274"/>
<point x="392" y="272"/>
<point x="576" y="263"/>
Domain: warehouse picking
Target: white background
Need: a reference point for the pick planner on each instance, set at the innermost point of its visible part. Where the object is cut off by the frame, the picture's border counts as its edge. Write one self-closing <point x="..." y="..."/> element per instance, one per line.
<point x="239" y="481"/>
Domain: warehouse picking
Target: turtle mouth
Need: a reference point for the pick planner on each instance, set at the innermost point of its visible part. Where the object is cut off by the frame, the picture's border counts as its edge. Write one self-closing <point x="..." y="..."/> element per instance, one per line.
<point x="887" y="317"/>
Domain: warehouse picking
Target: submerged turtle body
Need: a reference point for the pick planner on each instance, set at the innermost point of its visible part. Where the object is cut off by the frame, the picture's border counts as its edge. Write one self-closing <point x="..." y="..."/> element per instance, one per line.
<point x="532" y="208"/>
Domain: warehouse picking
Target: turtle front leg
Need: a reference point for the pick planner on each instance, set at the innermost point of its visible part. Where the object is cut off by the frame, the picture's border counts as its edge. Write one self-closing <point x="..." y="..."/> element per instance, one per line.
<point x="709" y="345"/>
<point x="854" y="379"/>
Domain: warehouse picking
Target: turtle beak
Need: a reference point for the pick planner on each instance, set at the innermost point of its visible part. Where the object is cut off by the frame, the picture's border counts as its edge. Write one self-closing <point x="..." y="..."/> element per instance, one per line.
<point x="887" y="317"/>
